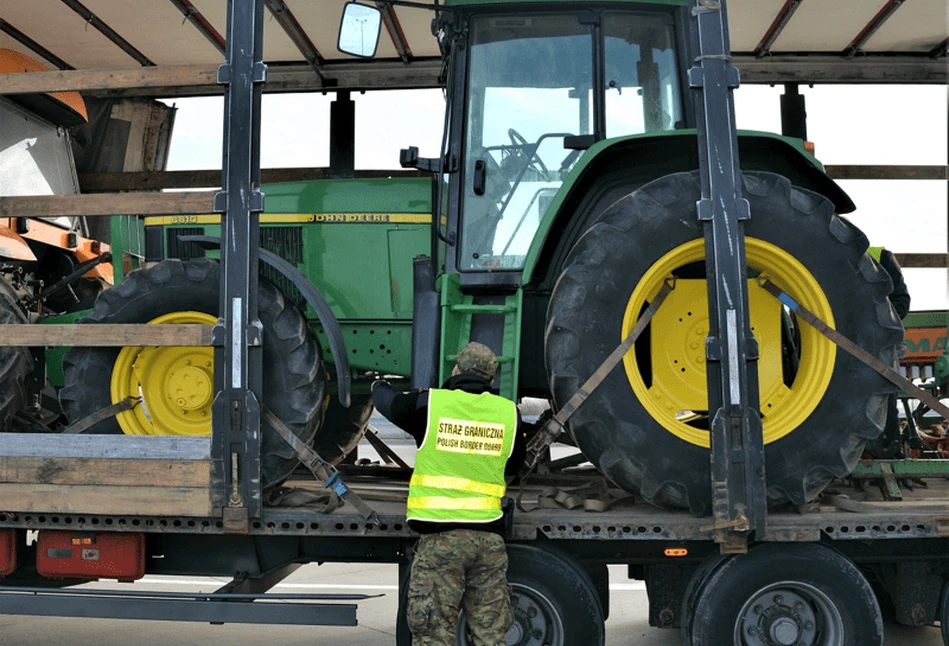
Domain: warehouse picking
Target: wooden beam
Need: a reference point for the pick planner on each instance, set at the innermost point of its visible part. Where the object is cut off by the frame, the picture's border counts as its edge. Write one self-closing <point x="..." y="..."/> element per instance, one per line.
<point x="105" y="335"/>
<point x="887" y="172"/>
<point x="169" y="500"/>
<point x="105" y="472"/>
<point x="156" y="180"/>
<point x="929" y="260"/>
<point x="117" y="204"/>
<point x="119" y="447"/>
<point x="112" y="79"/>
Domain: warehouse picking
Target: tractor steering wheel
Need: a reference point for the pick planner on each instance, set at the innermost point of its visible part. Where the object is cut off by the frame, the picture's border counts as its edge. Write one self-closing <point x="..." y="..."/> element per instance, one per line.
<point x="535" y="162"/>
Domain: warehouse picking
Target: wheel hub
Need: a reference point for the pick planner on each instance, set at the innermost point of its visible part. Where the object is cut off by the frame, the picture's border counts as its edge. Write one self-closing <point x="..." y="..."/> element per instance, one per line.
<point x="780" y="618"/>
<point x="190" y="388"/>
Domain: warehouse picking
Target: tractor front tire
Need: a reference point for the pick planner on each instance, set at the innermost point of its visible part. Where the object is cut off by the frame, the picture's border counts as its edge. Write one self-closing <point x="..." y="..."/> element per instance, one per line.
<point x="15" y="362"/>
<point x="293" y="377"/>
<point x="820" y="420"/>
<point x="343" y="428"/>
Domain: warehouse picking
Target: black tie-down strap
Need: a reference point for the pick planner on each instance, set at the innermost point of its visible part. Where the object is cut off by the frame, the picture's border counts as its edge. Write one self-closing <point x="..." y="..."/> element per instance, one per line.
<point x="552" y="429"/>
<point x="846" y="344"/>
<point x="322" y="470"/>
<point x="102" y="414"/>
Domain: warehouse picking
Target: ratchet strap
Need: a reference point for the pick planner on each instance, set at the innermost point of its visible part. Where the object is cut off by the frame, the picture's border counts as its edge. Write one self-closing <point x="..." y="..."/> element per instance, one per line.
<point x="322" y="470"/>
<point x="102" y="414"/>
<point x="555" y="425"/>
<point x="843" y="342"/>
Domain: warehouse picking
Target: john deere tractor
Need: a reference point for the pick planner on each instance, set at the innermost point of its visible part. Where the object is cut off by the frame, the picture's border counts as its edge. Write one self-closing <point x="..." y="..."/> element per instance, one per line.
<point x="563" y="198"/>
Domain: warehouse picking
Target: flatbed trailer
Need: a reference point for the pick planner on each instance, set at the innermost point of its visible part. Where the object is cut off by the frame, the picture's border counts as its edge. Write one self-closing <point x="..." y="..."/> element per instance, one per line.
<point x="75" y="508"/>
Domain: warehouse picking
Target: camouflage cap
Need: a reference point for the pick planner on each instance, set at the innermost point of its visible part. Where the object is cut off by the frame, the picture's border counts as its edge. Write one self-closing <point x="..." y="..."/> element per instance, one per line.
<point x="479" y="359"/>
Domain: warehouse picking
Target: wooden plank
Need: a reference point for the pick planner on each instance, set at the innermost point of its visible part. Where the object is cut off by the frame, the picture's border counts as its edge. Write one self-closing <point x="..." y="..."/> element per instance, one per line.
<point x="887" y="172"/>
<point x="104" y="471"/>
<point x="114" y="204"/>
<point x="937" y="260"/>
<point x="113" y="79"/>
<point x="93" y="499"/>
<point x="106" y="335"/>
<point x="157" y="180"/>
<point x="129" y="447"/>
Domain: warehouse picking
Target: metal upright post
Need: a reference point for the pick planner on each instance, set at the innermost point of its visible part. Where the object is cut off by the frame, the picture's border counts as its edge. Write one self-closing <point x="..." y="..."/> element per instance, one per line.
<point x="235" y="447"/>
<point x="738" y="484"/>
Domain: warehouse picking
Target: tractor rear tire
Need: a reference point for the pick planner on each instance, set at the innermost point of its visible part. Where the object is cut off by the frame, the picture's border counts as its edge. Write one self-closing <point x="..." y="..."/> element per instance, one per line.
<point x="293" y="377"/>
<point x="628" y="441"/>
<point x="343" y="428"/>
<point x="15" y="362"/>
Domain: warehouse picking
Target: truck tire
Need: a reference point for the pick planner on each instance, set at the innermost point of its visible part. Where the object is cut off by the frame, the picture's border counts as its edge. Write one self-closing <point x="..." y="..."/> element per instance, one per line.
<point x="15" y="362"/>
<point x="342" y="428"/>
<point x="944" y="614"/>
<point x="786" y="594"/>
<point x="555" y="602"/>
<point x="816" y="421"/>
<point x="186" y="292"/>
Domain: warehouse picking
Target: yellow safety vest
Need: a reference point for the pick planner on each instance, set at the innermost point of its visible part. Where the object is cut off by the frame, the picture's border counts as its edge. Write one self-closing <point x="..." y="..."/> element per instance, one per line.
<point x="459" y="469"/>
<point x="875" y="252"/>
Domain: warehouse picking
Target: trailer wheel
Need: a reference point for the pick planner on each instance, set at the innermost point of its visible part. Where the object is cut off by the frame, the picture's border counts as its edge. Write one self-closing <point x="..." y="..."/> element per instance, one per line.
<point x="176" y="383"/>
<point x="944" y="614"/>
<point x="555" y="603"/>
<point x="806" y="595"/>
<point x="342" y="428"/>
<point x="646" y="426"/>
<point x="15" y="362"/>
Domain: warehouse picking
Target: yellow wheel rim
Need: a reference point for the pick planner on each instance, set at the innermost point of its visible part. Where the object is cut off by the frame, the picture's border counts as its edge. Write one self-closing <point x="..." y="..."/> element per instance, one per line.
<point x="176" y="384"/>
<point x="676" y="375"/>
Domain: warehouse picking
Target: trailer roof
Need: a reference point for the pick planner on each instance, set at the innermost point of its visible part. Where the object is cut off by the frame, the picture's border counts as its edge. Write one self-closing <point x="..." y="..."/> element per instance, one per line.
<point x="774" y="41"/>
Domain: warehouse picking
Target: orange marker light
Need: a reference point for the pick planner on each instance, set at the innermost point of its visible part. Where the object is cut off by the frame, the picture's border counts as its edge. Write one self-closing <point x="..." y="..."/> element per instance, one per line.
<point x="675" y="552"/>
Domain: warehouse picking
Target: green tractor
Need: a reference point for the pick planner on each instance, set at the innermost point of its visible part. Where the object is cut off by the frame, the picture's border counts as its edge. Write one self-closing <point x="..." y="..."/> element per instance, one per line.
<point x="562" y="199"/>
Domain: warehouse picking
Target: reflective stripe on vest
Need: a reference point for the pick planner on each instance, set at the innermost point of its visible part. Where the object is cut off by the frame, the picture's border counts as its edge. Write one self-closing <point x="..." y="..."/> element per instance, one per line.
<point x="459" y="469"/>
<point x="875" y="252"/>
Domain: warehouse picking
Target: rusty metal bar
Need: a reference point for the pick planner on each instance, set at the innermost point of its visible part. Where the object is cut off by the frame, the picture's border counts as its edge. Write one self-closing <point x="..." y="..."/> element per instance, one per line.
<point x="108" y="32"/>
<point x="201" y="23"/>
<point x="871" y="28"/>
<point x="281" y="12"/>
<point x="777" y="26"/>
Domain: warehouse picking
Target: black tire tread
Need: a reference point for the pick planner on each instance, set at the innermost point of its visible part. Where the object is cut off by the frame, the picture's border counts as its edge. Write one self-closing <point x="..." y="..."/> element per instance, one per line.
<point x="294" y="381"/>
<point x="638" y="226"/>
<point x="343" y="428"/>
<point x="15" y="362"/>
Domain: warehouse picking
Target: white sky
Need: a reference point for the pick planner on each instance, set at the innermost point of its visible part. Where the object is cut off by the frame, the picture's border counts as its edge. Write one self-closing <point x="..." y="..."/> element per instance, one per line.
<point x="890" y="125"/>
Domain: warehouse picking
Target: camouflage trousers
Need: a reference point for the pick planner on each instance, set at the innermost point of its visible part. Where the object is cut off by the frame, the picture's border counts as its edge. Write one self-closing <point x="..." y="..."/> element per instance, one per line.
<point x="460" y="568"/>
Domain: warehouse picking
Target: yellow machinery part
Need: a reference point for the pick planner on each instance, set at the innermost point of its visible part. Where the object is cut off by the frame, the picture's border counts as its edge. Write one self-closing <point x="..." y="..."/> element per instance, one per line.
<point x="176" y="384"/>
<point x="677" y="392"/>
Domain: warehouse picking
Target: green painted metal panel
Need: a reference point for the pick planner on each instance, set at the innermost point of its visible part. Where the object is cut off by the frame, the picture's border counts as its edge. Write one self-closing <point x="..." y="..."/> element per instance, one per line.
<point x="400" y="195"/>
<point x="54" y="356"/>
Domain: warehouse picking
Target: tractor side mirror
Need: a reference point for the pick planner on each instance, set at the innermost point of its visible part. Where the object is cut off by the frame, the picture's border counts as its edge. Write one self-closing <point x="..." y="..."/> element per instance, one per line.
<point x="359" y="30"/>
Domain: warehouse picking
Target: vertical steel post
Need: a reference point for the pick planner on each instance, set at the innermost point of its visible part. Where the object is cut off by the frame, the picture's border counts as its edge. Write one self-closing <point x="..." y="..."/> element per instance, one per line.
<point x="343" y="136"/>
<point x="737" y="456"/>
<point x="793" y="112"/>
<point x="235" y="448"/>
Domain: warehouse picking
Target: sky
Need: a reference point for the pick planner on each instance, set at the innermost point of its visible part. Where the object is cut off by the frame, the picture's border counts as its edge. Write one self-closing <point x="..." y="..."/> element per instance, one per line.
<point x="867" y="124"/>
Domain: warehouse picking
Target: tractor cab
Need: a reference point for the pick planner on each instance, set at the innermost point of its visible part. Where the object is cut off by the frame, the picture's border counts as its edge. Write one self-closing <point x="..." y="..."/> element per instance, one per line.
<point x="528" y="90"/>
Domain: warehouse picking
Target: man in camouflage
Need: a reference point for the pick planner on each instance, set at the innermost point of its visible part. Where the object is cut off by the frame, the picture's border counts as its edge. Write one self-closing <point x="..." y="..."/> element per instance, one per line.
<point x="468" y="440"/>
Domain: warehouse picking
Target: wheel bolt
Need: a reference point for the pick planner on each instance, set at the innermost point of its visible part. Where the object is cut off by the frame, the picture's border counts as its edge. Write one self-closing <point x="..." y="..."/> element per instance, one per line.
<point x="778" y="598"/>
<point x="808" y="625"/>
<point x="752" y="630"/>
<point x="532" y="612"/>
<point x="799" y="606"/>
<point x="758" y="610"/>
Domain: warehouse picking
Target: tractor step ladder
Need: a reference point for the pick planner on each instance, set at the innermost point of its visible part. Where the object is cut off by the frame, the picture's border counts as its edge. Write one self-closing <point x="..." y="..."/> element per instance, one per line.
<point x="458" y="329"/>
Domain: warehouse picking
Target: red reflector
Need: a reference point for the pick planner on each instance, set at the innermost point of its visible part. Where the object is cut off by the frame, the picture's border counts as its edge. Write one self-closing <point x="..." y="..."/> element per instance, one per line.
<point x="675" y="552"/>
<point x="7" y="551"/>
